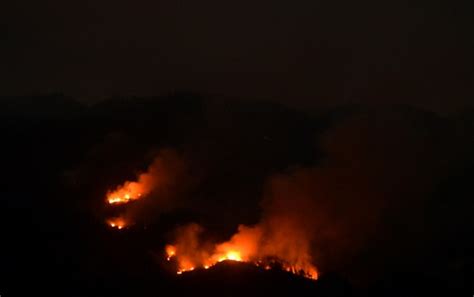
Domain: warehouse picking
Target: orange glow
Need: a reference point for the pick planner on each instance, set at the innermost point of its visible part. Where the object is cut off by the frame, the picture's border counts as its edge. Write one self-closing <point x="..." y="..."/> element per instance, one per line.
<point x="170" y="252"/>
<point x="184" y="265"/>
<point x="126" y="193"/>
<point x="231" y="255"/>
<point x="117" y="223"/>
<point x="243" y="247"/>
<point x="165" y="170"/>
<point x="280" y="240"/>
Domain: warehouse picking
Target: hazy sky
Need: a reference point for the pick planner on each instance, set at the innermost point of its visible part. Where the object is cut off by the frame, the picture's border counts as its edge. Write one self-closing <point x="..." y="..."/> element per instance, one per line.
<point x="301" y="53"/>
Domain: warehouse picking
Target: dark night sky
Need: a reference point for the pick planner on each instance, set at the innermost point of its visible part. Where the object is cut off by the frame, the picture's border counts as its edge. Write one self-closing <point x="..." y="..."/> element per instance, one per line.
<point x="304" y="53"/>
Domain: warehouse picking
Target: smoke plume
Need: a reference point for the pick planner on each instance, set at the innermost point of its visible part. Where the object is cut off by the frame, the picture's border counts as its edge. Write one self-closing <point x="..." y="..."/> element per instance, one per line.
<point x="157" y="190"/>
<point x="365" y="209"/>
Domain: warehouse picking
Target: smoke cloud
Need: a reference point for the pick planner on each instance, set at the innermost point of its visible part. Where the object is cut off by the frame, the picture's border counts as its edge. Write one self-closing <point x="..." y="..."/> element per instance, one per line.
<point x="367" y="208"/>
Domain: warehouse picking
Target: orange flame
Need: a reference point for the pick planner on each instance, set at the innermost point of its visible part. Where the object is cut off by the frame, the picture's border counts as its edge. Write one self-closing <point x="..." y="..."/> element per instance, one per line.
<point x="126" y="193"/>
<point x="165" y="170"/>
<point x="186" y="264"/>
<point x="231" y="255"/>
<point x="117" y="223"/>
<point x="243" y="247"/>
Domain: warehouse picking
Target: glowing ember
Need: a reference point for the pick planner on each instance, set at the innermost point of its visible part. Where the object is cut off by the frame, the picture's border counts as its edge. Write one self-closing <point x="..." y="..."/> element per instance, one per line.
<point x="117" y="223"/>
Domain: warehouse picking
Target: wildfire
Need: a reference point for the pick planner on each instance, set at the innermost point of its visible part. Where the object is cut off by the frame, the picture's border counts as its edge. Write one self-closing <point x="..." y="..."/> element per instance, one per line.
<point x="280" y="240"/>
<point x="128" y="192"/>
<point x="232" y="256"/>
<point x="165" y="169"/>
<point x="118" y="223"/>
<point x="188" y="263"/>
